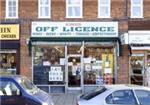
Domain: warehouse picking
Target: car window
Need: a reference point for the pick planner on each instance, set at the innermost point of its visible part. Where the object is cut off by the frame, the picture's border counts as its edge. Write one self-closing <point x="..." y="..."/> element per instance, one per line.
<point x="8" y="88"/>
<point x="121" y="97"/>
<point x="28" y="86"/>
<point x="93" y="93"/>
<point x="143" y="97"/>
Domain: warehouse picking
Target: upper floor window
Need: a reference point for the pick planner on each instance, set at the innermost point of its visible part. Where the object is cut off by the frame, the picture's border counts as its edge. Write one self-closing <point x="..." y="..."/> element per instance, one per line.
<point x="44" y="9"/>
<point x="136" y="8"/>
<point x="104" y="8"/>
<point x="11" y="8"/>
<point x="74" y="8"/>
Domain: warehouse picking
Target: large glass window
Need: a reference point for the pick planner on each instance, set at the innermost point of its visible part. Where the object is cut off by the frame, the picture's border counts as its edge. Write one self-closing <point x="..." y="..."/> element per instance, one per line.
<point x="98" y="65"/>
<point x="137" y="69"/>
<point x="44" y="8"/>
<point x="11" y="8"/>
<point x="104" y="8"/>
<point x="7" y="62"/>
<point x="74" y="8"/>
<point x="136" y="8"/>
<point x="49" y="65"/>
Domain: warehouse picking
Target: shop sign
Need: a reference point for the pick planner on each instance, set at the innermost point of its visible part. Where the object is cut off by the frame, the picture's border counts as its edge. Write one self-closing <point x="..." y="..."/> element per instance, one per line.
<point x="74" y="29"/>
<point x="124" y="38"/>
<point x="9" y="32"/>
<point x="140" y="37"/>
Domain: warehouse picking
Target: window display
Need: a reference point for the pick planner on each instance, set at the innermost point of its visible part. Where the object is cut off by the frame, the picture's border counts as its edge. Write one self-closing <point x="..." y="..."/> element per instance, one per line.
<point x="98" y="65"/>
<point x="48" y="55"/>
<point x="148" y="60"/>
<point x="7" y="62"/>
<point x="49" y="65"/>
<point x="137" y="73"/>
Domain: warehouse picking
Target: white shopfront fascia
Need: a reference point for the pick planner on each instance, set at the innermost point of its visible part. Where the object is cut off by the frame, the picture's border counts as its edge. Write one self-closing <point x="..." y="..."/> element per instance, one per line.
<point x="138" y="40"/>
<point x="139" y="37"/>
<point x="74" y="29"/>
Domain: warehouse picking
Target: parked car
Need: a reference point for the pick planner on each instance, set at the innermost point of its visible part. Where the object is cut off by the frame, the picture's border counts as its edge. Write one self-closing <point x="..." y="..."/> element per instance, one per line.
<point x="116" y="95"/>
<point x="18" y="90"/>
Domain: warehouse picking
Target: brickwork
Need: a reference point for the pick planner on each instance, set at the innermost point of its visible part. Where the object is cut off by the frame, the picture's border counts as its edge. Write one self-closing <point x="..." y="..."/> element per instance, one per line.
<point x="28" y="12"/>
<point x="123" y="72"/>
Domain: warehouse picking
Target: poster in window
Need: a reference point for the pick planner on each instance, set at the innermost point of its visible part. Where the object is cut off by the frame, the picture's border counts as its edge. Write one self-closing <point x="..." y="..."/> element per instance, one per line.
<point x="56" y="74"/>
<point x="87" y="67"/>
<point x="107" y="62"/>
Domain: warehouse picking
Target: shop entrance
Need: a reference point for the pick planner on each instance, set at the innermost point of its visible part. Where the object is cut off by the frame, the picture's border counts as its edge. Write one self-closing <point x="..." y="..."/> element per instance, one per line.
<point x="74" y="71"/>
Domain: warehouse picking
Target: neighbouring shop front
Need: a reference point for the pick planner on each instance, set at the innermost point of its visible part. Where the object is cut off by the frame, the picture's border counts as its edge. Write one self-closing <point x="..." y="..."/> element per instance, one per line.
<point x="139" y="42"/>
<point x="74" y="56"/>
<point x="10" y="49"/>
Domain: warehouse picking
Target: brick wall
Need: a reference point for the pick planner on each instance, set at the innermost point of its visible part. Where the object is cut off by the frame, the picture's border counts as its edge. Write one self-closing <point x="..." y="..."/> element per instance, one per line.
<point x="123" y="72"/>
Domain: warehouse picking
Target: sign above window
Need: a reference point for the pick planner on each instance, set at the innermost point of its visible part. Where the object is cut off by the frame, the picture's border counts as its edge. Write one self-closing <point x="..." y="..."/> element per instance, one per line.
<point x="9" y="32"/>
<point x="139" y="37"/>
<point x="74" y="29"/>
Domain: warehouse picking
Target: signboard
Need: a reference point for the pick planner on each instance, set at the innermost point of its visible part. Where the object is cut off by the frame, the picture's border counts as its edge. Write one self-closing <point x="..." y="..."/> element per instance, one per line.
<point x="139" y="37"/>
<point x="9" y="31"/>
<point x="55" y="74"/>
<point x="124" y="38"/>
<point x="74" y="29"/>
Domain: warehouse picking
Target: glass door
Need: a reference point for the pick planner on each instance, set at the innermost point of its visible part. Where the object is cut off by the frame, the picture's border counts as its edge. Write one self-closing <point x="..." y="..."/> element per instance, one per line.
<point x="74" y="70"/>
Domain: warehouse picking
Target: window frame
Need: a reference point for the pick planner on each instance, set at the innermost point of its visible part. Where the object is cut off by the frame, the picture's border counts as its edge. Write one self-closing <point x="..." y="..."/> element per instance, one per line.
<point x="104" y="5"/>
<point x="43" y="6"/>
<point x="74" y="5"/>
<point x="137" y="5"/>
<point x="7" y="9"/>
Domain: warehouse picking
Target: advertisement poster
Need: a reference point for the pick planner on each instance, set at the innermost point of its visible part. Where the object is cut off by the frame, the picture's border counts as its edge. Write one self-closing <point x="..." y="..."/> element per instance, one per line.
<point x="88" y="67"/>
<point x="107" y="63"/>
<point x="56" y="74"/>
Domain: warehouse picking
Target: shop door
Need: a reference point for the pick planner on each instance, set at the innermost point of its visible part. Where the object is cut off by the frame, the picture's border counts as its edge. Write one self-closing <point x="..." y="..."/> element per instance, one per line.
<point x="74" y="71"/>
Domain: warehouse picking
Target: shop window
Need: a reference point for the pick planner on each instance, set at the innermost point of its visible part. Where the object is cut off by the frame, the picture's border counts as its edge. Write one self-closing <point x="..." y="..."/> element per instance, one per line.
<point x="74" y="49"/>
<point x="148" y="60"/>
<point x="7" y="62"/>
<point x="74" y="8"/>
<point x="49" y="65"/>
<point x="137" y="69"/>
<point x="98" y="65"/>
<point x="44" y="8"/>
<point x="136" y="8"/>
<point x="11" y="8"/>
<point x="104" y="8"/>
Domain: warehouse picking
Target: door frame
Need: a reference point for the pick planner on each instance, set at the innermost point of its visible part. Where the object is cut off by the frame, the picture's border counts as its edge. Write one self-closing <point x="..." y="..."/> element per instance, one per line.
<point x="81" y="84"/>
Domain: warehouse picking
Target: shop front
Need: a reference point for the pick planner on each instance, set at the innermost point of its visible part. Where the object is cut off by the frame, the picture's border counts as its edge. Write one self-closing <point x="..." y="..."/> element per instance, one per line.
<point x="10" y="49"/>
<point x="74" y="56"/>
<point x="139" y="42"/>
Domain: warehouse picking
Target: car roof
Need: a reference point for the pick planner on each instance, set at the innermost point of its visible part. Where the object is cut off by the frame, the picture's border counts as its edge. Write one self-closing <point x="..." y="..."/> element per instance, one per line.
<point x="125" y="86"/>
<point x="15" y="77"/>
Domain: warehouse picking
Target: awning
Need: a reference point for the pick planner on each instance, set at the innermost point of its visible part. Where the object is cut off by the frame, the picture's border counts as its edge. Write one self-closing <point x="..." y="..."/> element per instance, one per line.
<point x="9" y="44"/>
<point x="74" y="39"/>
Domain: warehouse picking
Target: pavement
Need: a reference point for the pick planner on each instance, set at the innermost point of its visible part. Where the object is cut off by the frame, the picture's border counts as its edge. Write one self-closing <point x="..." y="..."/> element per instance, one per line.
<point x="64" y="99"/>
